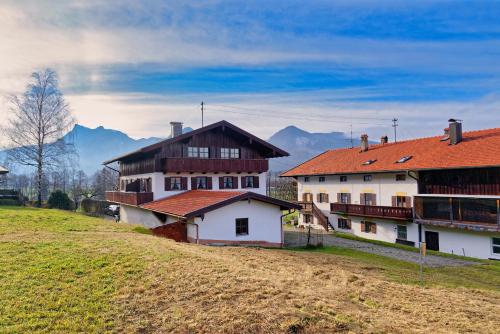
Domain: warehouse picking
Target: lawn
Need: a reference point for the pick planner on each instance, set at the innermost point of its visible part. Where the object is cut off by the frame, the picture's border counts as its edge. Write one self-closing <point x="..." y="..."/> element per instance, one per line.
<point x="64" y="272"/>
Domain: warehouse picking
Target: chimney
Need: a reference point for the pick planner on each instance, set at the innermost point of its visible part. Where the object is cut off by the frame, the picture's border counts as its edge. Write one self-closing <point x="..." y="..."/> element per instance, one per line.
<point x="446" y="131"/>
<point x="384" y="140"/>
<point x="176" y="129"/>
<point x="455" y="131"/>
<point x="364" y="142"/>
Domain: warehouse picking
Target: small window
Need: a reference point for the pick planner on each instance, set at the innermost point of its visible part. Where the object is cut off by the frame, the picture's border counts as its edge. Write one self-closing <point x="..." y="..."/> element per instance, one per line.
<point x="400" y="177"/>
<point x="343" y="178"/>
<point x="203" y="151"/>
<point x="193" y="152"/>
<point x="308" y="219"/>
<point x="344" y="198"/>
<point x="307" y="178"/>
<point x="249" y="182"/>
<point x="175" y="183"/>
<point x="404" y="159"/>
<point x="402" y="232"/>
<point x="201" y="182"/>
<point x="368" y="227"/>
<point x="241" y="226"/>
<point x="367" y="178"/>
<point x="322" y="179"/>
<point x="224" y="153"/>
<point x="496" y="245"/>
<point x="344" y="224"/>
<point x="235" y="153"/>
<point x="228" y="182"/>
<point x="369" y="162"/>
<point x="323" y="198"/>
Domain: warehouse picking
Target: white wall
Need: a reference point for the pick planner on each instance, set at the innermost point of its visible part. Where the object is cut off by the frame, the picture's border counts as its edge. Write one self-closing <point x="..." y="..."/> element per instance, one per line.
<point x="134" y="215"/>
<point x="158" y="182"/>
<point x="264" y="222"/>
<point x="474" y="244"/>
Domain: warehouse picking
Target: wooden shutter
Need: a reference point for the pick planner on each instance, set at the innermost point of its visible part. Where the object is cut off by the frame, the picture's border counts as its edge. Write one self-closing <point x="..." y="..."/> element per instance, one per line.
<point x="362" y="199"/>
<point x="349" y="200"/>
<point x="304" y="197"/>
<point x="256" y="181"/>
<point x="339" y="197"/>
<point x="209" y="182"/>
<point x="394" y="201"/>
<point x="318" y="197"/>
<point x="235" y="182"/>
<point x="327" y="199"/>
<point x="243" y="183"/>
<point x="221" y="182"/>
<point x="362" y="226"/>
<point x="408" y="202"/>
<point x="374" y="199"/>
<point x="167" y="184"/>
<point x="348" y="223"/>
<point x="184" y="183"/>
<point x="194" y="185"/>
<point x="373" y="228"/>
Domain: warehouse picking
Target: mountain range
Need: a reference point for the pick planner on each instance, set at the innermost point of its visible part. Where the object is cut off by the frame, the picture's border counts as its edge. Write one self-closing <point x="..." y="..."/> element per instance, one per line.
<point x="97" y="145"/>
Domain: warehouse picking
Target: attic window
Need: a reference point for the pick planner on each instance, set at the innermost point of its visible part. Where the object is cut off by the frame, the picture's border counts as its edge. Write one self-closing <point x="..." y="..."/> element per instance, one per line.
<point x="369" y="162"/>
<point x="404" y="159"/>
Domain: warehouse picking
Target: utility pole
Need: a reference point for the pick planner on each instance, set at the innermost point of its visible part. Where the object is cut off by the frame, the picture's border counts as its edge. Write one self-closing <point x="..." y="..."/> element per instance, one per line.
<point x="202" y="105"/>
<point x="352" y="144"/>
<point x="394" y="125"/>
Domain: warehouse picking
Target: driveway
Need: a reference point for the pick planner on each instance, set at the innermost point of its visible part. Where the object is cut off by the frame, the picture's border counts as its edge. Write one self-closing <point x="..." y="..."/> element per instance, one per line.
<point x="299" y="238"/>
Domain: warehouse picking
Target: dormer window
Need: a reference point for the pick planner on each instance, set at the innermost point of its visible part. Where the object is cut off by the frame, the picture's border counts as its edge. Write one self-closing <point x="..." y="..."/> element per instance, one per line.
<point x="404" y="159"/>
<point x="369" y="162"/>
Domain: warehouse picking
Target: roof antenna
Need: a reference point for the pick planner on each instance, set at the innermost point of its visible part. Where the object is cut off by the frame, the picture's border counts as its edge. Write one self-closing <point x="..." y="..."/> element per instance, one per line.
<point x="202" y="104"/>
<point x="395" y="125"/>
<point x="352" y="144"/>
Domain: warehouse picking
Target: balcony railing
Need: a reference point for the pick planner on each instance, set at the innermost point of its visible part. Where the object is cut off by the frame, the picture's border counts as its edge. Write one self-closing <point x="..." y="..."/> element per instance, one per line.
<point x="195" y="165"/>
<point x="130" y="198"/>
<point x="458" y="211"/>
<point x="388" y="212"/>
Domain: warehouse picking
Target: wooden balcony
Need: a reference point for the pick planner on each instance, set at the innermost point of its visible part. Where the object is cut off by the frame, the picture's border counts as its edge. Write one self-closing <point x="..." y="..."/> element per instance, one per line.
<point x="130" y="198"/>
<point x="387" y="212"/>
<point x="197" y="165"/>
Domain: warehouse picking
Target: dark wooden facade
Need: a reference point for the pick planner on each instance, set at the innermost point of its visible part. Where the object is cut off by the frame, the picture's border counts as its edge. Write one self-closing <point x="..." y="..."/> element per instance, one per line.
<point x="474" y="181"/>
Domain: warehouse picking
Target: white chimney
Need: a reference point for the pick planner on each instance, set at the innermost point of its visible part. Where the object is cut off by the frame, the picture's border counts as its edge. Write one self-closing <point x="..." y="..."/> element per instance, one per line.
<point x="364" y="142"/>
<point x="176" y="129"/>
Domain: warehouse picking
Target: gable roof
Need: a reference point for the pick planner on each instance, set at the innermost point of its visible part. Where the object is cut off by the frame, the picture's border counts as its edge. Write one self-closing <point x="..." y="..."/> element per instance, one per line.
<point x="194" y="203"/>
<point x="277" y="152"/>
<point x="3" y="170"/>
<point x="477" y="149"/>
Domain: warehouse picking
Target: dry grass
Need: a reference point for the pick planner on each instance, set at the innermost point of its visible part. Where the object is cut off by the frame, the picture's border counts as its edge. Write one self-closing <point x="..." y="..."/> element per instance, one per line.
<point x="155" y="285"/>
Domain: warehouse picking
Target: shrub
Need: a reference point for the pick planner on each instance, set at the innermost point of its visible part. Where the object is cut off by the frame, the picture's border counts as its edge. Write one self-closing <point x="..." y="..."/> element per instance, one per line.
<point x="93" y="207"/>
<point x="59" y="200"/>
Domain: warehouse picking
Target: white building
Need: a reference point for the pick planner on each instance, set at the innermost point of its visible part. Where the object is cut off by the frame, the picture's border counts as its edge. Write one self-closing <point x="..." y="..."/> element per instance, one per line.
<point x="453" y="182"/>
<point x="205" y="186"/>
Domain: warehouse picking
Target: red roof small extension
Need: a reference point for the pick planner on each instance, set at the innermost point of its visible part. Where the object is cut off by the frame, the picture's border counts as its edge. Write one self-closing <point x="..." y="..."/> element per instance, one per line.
<point x="477" y="149"/>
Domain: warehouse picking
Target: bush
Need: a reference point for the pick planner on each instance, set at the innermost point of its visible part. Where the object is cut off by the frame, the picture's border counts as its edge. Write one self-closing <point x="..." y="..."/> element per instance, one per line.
<point x="59" y="200"/>
<point x="93" y="207"/>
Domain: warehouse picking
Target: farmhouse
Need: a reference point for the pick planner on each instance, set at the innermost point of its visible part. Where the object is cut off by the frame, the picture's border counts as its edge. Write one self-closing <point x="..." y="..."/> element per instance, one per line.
<point x="206" y="186"/>
<point x="442" y="190"/>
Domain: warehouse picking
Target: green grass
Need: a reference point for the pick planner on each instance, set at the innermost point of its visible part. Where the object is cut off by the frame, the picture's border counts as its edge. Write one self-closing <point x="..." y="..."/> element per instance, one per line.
<point x="485" y="275"/>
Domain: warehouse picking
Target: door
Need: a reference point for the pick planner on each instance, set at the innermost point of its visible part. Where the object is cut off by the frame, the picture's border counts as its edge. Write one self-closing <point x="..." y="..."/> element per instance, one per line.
<point x="432" y="240"/>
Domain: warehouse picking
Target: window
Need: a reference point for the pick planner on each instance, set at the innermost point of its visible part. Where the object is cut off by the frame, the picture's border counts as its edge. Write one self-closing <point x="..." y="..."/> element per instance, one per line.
<point x="343" y="178"/>
<point x="241" y="226"/>
<point x="368" y="227"/>
<point x="368" y="199"/>
<point x="227" y="182"/>
<point x="203" y="152"/>
<point x="249" y="182"/>
<point x="175" y="183"/>
<point x="322" y="179"/>
<point x="307" y="197"/>
<point x="193" y="152"/>
<point x="403" y="201"/>
<point x="307" y="178"/>
<point x="344" y="198"/>
<point x="322" y="198"/>
<point x="496" y="245"/>
<point x="402" y="232"/>
<point x="201" y="182"/>
<point x="404" y="159"/>
<point x="229" y="153"/>
<point x="400" y="177"/>
<point x="308" y="219"/>
<point x="367" y="178"/>
<point x="344" y="224"/>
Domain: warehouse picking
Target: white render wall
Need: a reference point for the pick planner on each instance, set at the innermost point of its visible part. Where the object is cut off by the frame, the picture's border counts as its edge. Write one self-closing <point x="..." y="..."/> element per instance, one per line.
<point x="264" y="223"/>
<point x="158" y="182"/>
<point x="134" y="215"/>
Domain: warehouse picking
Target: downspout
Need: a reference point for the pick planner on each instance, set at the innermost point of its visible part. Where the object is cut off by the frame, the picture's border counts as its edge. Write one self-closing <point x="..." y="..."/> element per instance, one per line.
<point x="281" y="224"/>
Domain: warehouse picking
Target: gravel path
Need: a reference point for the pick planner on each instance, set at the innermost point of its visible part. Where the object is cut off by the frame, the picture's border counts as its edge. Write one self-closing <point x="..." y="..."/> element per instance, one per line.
<point x="297" y="239"/>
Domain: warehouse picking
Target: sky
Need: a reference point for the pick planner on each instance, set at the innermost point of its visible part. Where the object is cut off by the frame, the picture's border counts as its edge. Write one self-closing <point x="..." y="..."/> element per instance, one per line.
<point x="323" y="66"/>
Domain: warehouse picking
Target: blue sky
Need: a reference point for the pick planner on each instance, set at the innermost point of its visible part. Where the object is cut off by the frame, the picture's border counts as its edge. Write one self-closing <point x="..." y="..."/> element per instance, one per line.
<point x="320" y="65"/>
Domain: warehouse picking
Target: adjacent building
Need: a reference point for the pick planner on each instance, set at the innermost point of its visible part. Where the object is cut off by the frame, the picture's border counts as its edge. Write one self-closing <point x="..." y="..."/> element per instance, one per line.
<point x="205" y="186"/>
<point x="442" y="190"/>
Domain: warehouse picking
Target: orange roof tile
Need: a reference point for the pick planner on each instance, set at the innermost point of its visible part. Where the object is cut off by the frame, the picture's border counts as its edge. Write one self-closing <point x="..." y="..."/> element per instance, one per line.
<point x="195" y="202"/>
<point x="477" y="149"/>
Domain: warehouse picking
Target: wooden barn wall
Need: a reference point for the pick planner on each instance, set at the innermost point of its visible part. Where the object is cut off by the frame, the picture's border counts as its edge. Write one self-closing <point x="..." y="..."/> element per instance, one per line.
<point x="474" y="181"/>
<point x="137" y="167"/>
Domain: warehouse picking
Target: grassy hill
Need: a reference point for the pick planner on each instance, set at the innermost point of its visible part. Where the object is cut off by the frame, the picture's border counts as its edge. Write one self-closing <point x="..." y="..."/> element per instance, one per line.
<point x="63" y="272"/>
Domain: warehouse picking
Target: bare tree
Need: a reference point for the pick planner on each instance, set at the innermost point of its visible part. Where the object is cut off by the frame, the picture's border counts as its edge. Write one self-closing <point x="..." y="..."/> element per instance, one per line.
<point x="39" y="119"/>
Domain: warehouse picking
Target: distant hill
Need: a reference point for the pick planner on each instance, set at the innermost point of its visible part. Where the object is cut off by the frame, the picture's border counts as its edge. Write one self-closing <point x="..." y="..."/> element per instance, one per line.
<point x="303" y="145"/>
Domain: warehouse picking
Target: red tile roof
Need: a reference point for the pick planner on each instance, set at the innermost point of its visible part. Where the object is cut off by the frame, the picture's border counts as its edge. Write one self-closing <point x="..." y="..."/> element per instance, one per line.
<point x="477" y="149"/>
<point x="196" y="202"/>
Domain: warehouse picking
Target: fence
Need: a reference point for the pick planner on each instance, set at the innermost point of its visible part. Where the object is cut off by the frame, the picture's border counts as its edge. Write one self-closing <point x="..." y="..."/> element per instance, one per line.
<point x="302" y="237"/>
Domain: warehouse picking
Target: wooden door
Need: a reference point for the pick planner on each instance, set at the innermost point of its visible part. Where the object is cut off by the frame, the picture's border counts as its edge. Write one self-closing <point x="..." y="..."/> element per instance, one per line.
<point x="432" y="240"/>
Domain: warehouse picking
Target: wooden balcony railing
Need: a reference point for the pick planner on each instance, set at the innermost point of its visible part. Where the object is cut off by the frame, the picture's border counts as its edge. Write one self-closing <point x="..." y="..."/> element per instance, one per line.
<point x="389" y="212"/>
<point x="214" y="165"/>
<point x="311" y="209"/>
<point x="130" y="198"/>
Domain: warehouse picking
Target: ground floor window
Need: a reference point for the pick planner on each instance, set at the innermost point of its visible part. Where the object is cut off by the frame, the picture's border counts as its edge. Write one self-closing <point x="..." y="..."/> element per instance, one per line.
<point x="175" y="183"/>
<point x="308" y="219"/>
<point x="368" y="227"/>
<point x="344" y="223"/>
<point x="496" y="245"/>
<point x="201" y="182"/>
<point x="402" y="232"/>
<point x="241" y="226"/>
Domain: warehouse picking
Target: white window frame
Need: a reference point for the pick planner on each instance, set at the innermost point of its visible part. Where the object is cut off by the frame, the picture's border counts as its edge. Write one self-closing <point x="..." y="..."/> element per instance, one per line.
<point x="193" y="152"/>
<point x="203" y="152"/>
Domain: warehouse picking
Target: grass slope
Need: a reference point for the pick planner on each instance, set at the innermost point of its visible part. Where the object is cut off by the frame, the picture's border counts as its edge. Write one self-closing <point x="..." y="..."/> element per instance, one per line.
<point x="62" y="272"/>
